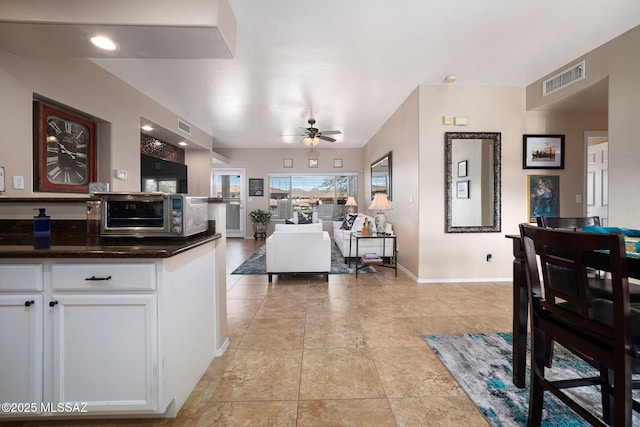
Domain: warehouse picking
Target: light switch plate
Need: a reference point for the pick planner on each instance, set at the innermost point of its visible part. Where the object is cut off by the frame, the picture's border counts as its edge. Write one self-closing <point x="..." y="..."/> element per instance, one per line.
<point x="18" y="182"/>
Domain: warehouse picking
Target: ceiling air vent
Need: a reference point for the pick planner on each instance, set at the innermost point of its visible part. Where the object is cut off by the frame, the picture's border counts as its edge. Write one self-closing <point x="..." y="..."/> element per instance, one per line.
<point x="563" y="79"/>
<point x="184" y="126"/>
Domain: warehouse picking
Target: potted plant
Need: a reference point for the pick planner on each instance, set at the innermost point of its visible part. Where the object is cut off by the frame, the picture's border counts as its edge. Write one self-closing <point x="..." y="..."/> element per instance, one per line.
<point x="260" y="219"/>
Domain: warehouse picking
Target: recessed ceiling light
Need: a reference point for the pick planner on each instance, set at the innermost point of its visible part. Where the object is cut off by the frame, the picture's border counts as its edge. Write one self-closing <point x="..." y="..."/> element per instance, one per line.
<point x="450" y="78"/>
<point x="182" y="143"/>
<point x="147" y="128"/>
<point x="104" y="42"/>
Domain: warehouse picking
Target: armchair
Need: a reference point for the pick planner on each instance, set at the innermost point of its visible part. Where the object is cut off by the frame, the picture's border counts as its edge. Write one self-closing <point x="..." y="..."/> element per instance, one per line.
<point x="298" y="249"/>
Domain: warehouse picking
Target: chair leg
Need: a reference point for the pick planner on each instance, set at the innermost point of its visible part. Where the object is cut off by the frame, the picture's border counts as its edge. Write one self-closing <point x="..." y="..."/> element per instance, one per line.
<point x="270" y="277"/>
<point x="548" y="351"/>
<point x="536" y="391"/>
<point x="606" y="392"/>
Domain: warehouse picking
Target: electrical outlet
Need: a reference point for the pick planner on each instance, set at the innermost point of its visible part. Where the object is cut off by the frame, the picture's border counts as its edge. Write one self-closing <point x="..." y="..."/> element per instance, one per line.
<point x="489" y="256"/>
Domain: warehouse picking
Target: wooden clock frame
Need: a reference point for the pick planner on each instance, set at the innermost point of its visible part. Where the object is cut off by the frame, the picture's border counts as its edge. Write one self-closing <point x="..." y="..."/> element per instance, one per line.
<point x="41" y="111"/>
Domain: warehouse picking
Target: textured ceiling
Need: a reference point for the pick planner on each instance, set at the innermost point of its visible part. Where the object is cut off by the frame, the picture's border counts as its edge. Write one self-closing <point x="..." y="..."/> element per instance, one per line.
<point x="350" y="64"/>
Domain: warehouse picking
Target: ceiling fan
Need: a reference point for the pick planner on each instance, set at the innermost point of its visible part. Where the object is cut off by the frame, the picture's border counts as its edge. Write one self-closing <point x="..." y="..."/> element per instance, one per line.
<point x="313" y="135"/>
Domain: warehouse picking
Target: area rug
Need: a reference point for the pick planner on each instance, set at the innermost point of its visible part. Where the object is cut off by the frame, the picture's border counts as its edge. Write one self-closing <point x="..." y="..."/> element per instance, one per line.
<point x="256" y="264"/>
<point x="481" y="364"/>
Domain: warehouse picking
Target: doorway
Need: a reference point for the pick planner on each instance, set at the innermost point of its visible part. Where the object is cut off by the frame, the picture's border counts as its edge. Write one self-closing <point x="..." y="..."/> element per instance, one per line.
<point x="229" y="184"/>
<point x="597" y="179"/>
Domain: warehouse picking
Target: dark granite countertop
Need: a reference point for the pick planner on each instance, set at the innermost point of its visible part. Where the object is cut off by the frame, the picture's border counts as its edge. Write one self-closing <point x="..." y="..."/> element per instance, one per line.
<point x="71" y="241"/>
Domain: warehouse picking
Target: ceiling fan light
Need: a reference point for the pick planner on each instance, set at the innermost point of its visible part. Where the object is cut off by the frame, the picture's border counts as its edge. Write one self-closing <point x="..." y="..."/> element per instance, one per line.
<point x="307" y="142"/>
<point x="316" y="141"/>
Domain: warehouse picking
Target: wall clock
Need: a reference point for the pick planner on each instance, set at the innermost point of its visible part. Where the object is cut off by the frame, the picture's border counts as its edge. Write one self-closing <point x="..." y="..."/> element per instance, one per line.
<point x="64" y="149"/>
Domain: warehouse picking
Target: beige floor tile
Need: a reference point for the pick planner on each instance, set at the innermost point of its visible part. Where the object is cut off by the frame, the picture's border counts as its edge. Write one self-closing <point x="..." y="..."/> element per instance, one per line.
<point x="390" y="332"/>
<point x="413" y="372"/>
<point x="331" y="332"/>
<point x="246" y="308"/>
<point x="378" y="307"/>
<point x="444" y="325"/>
<point x="339" y="373"/>
<point x="283" y="334"/>
<point x="329" y="290"/>
<point x="283" y="308"/>
<point x="331" y="308"/>
<point x="237" y="327"/>
<point x="423" y="306"/>
<point x="345" y="413"/>
<point x="247" y="292"/>
<point x="254" y="414"/>
<point x="261" y="375"/>
<point x="293" y="289"/>
<point x="490" y="324"/>
<point x="436" y="412"/>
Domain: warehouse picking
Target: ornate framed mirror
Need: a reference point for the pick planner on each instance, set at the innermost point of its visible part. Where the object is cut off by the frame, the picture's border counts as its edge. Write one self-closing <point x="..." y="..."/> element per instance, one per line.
<point x="381" y="176"/>
<point x="472" y="182"/>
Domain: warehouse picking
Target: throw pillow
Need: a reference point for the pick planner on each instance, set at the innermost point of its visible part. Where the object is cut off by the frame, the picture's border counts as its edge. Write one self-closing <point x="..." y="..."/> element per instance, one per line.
<point x="286" y="221"/>
<point x="306" y="221"/>
<point x="347" y="224"/>
<point x="301" y="217"/>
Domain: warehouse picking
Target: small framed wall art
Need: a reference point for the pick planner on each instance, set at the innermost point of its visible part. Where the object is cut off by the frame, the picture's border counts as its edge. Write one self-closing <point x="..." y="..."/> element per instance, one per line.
<point x="543" y="151"/>
<point x="256" y="187"/>
<point x="64" y="149"/>
<point x="462" y="168"/>
<point x="462" y="189"/>
<point x="544" y="196"/>
<point x="337" y="163"/>
<point x="287" y="163"/>
<point x="313" y="163"/>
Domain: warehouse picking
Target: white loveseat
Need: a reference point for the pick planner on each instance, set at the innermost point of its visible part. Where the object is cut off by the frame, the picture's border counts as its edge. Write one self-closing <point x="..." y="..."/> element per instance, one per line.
<point x="298" y="248"/>
<point x="342" y="239"/>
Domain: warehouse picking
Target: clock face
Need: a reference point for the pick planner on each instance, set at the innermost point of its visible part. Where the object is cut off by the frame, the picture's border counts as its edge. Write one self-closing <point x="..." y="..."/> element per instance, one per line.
<point x="68" y="146"/>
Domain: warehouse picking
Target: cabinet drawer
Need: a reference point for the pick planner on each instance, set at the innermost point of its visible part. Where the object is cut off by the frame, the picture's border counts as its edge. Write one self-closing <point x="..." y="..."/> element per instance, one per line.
<point x="103" y="277"/>
<point x="21" y="277"/>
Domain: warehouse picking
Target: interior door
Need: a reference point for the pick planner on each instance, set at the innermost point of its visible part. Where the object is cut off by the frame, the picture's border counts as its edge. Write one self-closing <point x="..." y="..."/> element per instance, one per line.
<point x="598" y="181"/>
<point x="229" y="184"/>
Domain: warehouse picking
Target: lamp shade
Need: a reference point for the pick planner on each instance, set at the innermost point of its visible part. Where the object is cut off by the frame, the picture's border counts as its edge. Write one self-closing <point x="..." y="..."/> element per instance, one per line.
<point x="351" y="201"/>
<point x="380" y="202"/>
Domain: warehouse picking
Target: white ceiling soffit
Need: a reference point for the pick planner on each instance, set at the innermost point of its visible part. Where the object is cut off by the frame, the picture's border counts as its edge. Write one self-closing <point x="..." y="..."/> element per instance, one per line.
<point x="141" y="29"/>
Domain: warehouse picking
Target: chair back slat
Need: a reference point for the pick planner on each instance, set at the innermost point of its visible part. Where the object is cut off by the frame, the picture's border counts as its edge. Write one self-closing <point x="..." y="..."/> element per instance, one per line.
<point x="572" y="223"/>
<point x="563" y="282"/>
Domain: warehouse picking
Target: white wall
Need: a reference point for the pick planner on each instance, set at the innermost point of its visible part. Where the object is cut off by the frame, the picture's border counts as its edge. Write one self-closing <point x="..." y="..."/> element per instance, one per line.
<point x="82" y="85"/>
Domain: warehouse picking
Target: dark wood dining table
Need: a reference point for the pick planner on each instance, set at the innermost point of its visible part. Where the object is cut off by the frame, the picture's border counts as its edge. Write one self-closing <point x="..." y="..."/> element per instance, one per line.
<point x="599" y="261"/>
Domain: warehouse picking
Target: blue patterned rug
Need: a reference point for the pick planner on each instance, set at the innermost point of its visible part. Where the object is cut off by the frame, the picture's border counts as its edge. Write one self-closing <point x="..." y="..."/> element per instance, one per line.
<point x="481" y="364"/>
<point x="256" y="264"/>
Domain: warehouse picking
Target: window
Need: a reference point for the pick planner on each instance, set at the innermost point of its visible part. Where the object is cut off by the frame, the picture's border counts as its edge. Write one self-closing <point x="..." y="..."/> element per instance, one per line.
<point x="324" y="194"/>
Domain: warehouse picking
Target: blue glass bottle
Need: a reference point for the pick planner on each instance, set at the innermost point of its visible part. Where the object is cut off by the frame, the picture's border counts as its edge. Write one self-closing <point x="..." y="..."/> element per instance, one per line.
<point x="41" y="230"/>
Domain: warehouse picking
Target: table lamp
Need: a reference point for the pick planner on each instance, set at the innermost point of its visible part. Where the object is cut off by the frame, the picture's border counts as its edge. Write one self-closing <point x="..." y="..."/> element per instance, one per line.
<point x="381" y="204"/>
<point x="351" y="202"/>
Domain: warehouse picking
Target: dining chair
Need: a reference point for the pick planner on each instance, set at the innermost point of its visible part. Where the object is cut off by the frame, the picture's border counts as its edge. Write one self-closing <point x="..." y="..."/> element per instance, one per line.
<point x="600" y="286"/>
<point x="602" y="331"/>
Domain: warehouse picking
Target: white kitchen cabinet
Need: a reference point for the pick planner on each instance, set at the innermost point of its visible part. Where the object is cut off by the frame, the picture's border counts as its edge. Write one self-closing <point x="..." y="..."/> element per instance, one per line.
<point x="105" y="351"/>
<point x="128" y="337"/>
<point x="21" y="354"/>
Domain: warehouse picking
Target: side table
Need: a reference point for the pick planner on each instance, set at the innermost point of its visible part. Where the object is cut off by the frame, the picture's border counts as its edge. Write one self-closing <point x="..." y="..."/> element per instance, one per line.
<point x="393" y="259"/>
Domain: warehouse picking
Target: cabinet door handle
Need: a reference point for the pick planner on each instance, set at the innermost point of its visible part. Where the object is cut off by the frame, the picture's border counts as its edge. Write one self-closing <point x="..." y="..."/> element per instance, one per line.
<point x="96" y="279"/>
<point x="28" y="303"/>
<point x="53" y="303"/>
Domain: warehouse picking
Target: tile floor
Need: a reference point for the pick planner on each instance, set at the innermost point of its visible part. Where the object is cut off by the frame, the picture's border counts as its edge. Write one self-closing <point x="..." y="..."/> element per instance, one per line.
<point x="349" y="352"/>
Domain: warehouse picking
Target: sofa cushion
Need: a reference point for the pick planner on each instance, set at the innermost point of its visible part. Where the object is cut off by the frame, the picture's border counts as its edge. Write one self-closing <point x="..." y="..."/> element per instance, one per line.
<point x="293" y="228"/>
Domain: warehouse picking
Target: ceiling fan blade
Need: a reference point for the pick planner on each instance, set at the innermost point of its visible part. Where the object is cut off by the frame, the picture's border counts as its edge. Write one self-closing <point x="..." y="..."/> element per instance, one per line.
<point x="331" y="132"/>
<point x="326" y="138"/>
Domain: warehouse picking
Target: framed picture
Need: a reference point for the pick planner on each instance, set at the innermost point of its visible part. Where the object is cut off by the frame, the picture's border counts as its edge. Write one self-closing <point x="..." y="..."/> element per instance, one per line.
<point x="313" y="163"/>
<point x="462" y="168"/>
<point x="544" y="196"/>
<point x="543" y="151"/>
<point x="64" y="149"/>
<point x="462" y="189"/>
<point x="287" y="163"/>
<point x="256" y="187"/>
<point x="337" y="163"/>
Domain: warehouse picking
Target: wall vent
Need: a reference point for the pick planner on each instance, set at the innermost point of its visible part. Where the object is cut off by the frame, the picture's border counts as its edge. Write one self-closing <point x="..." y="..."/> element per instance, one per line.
<point x="184" y="126"/>
<point x="564" y="79"/>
